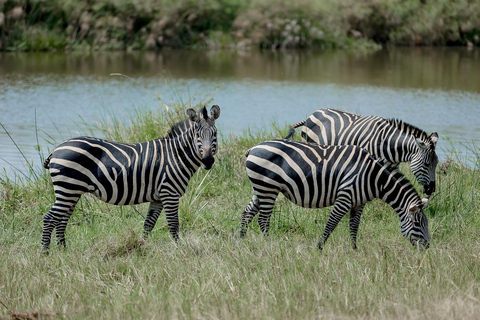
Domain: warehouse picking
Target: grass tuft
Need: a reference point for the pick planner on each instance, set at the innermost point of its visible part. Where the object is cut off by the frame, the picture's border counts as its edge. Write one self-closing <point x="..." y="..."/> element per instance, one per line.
<point x="126" y="243"/>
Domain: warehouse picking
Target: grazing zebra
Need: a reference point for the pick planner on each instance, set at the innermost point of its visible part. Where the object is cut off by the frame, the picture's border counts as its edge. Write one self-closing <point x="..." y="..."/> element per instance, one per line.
<point x="156" y="171"/>
<point x="314" y="176"/>
<point x="389" y="140"/>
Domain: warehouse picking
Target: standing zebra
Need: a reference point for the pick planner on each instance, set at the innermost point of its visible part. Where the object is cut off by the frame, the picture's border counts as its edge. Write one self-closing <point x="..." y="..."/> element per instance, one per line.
<point x="389" y="140"/>
<point x="156" y="171"/>
<point x="314" y="176"/>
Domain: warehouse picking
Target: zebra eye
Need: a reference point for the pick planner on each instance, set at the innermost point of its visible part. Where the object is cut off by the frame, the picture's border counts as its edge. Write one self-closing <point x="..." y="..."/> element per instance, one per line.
<point x="417" y="217"/>
<point x="430" y="160"/>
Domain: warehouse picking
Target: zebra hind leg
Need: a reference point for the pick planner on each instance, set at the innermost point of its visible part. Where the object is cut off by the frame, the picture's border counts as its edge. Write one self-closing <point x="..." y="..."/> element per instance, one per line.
<point x="267" y="201"/>
<point x="152" y="216"/>
<point x="248" y="214"/>
<point x="355" y="215"/>
<point x="57" y="218"/>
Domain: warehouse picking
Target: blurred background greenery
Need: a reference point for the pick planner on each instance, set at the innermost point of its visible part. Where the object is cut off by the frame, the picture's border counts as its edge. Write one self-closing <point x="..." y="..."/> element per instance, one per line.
<point x="46" y="25"/>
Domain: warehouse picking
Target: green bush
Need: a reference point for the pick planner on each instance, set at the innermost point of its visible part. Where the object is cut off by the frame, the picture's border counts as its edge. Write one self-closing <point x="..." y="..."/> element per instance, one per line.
<point x="133" y="24"/>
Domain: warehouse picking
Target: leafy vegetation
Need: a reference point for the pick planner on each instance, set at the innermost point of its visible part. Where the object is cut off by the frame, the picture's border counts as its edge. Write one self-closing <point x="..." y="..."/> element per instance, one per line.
<point x="108" y="271"/>
<point x="36" y="25"/>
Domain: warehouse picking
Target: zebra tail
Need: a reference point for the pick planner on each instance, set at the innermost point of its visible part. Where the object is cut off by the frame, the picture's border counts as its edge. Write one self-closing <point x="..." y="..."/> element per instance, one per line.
<point x="47" y="161"/>
<point x="291" y="132"/>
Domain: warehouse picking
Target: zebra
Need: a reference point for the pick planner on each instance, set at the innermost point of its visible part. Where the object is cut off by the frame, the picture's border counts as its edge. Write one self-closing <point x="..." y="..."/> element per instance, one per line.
<point x="156" y="171"/>
<point x="315" y="176"/>
<point x="390" y="140"/>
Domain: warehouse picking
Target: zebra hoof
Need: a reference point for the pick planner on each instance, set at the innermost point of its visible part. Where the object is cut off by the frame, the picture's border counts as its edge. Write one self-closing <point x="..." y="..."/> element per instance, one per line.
<point x="320" y="246"/>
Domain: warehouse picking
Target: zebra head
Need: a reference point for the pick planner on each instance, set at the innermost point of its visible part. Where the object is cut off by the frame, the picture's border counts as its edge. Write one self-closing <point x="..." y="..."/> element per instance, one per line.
<point x="205" y="133"/>
<point x="424" y="162"/>
<point x="415" y="225"/>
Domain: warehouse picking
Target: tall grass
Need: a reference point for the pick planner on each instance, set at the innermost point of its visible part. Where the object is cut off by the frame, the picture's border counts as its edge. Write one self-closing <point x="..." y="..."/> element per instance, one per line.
<point x="109" y="272"/>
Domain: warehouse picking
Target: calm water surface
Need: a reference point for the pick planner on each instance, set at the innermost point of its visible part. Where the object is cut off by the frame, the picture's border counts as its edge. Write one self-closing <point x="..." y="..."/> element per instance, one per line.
<point x="48" y="96"/>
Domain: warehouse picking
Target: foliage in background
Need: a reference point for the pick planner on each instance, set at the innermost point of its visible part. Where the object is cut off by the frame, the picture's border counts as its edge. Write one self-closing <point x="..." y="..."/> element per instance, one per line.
<point x="35" y="25"/>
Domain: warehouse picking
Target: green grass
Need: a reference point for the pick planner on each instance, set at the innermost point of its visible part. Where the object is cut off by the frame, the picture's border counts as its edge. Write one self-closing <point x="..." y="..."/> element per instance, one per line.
<point x="109" y="272"/>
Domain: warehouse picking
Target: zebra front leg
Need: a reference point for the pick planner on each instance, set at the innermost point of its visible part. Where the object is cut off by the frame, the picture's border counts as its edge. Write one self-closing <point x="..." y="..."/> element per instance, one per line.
<point x="170" y="204"/>
<point x="153" y="212"/>
<point x="248" y="214"/>
<point x="355" y="215"/>
<point x="340" y="208"/>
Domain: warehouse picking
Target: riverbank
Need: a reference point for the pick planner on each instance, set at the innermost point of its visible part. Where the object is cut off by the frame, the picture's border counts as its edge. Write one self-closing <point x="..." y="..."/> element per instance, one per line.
<point x="109" y="272"/>
<point x="37" y="25"/>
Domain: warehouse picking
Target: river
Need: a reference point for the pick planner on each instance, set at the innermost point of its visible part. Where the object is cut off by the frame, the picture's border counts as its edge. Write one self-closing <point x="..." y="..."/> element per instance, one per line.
<point x="45" y="97"/>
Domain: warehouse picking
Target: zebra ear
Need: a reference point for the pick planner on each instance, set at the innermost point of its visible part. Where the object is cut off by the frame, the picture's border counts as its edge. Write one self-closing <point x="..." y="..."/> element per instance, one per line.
<point x="215" y="112"/>
<point x="413" y="208"/>
<point x="421" y="144"/>
<point x="204" y="113"/>
<point x="192" y="115"/>
<point x="434" y="138"/>
<point x="413" y="212"/>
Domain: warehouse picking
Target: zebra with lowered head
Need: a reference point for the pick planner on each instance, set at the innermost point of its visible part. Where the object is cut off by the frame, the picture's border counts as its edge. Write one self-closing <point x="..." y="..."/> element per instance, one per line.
<point x="156" y="171"/>
<point x="389" y="140"/>
<point x="345" y="177"/>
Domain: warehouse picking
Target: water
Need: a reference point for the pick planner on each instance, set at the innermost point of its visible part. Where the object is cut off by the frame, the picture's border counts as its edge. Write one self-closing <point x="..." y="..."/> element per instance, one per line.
<point x="49" y="95"/>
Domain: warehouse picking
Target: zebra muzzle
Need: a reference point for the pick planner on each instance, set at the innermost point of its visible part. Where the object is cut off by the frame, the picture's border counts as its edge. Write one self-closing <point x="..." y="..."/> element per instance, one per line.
<point x="208" y="160"/>
<point x="420" y="243"/>
<point x="430" y="188"/>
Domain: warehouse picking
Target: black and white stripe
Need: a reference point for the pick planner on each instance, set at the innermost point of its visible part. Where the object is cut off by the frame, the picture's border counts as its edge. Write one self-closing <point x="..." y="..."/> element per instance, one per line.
<point x="156" y="171"/>
<point x="388" y="140"/>
<point x="345" y="177"/>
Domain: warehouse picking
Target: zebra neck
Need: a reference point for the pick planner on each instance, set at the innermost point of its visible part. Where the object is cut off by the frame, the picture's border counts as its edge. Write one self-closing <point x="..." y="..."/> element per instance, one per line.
<point x="184" y="150"/>
<point x="397" y="192"/>
<point x="397" y="148"/>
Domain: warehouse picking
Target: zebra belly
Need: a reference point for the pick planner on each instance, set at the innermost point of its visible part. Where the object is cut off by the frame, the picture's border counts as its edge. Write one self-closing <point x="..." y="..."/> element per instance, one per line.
<point x="310" y="203"/>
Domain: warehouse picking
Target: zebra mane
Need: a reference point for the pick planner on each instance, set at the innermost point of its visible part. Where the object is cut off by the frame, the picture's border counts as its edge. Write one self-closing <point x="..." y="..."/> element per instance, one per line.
<point x="179" y="128"/>
<point x="408" y="128"/>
